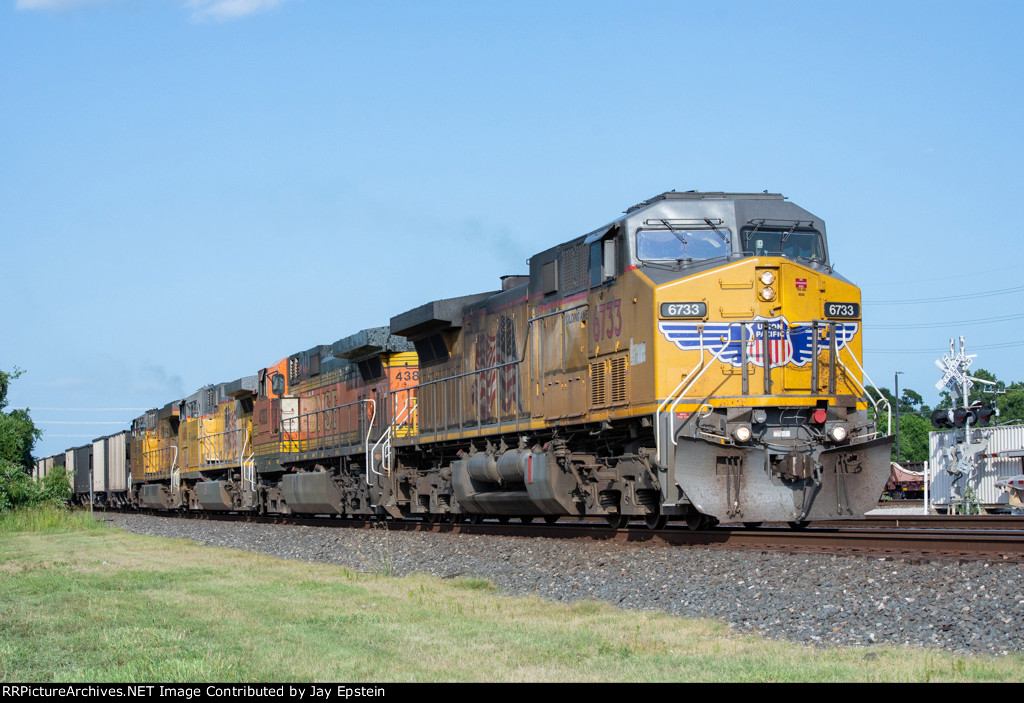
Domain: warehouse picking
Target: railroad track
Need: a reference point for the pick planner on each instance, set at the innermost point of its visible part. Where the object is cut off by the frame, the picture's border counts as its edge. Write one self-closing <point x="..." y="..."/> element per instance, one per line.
<point x="905" y="537"/>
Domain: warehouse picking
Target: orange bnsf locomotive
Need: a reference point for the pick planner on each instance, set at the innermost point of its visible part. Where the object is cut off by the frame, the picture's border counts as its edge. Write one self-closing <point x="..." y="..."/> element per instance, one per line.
<point x="697" y="359"/>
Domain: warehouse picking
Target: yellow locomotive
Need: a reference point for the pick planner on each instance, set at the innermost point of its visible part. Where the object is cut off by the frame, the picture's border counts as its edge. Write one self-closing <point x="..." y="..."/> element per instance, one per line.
<point x="696" y="359"/>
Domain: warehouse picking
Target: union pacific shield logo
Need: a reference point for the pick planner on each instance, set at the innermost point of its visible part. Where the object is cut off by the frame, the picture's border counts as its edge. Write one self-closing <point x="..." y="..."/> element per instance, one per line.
<point x="773" y="338"/>
<point x="769" y="341"/>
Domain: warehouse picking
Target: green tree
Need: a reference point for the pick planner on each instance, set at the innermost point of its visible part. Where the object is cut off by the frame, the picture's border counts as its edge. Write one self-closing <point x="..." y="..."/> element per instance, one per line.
<point x="1008" y="398"/>
<point x="18" y="434"/>
<point x="914" y="431"/>
<point x="914" y="423"/>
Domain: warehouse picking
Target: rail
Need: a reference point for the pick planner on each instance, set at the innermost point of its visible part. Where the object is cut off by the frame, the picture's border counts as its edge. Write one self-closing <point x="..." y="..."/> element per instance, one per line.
<point x="248" y="467"/>
<point x="678" y="395"/>
<point x="221" y="448"/>
<point x="502" y="411"/>
<point x="337" y="427"/>
<point x="154" y="462"/>
<point x="404" y="417"/>
<point x="875" y="403"/>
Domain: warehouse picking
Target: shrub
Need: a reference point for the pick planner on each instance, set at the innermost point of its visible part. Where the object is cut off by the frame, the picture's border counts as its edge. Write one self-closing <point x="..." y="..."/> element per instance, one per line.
<point x="17" y="489"/>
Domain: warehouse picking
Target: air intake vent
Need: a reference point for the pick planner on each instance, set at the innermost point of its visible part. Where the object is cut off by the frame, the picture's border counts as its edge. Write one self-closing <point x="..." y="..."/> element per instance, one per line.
<point x="619" y="391"/>
<point x="609" y="382"/>
<point x="597" y="392"/>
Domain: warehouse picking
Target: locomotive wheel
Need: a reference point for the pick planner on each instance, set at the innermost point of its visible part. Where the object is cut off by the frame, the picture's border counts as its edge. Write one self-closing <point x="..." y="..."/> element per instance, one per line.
<point x="697" y="521"/>
<point x="655" y="521"/>
<point x="799" y="524"/>
<point x="526" y="519"/>
<point x="504" y="519"/>
<point x="616" y="520"/>
<point x="752" y="525"/>
<point x="476" y="519"/>
<point x="453" y="518"/>
<point x="429" y="518"/>
<point x="551" y="519"/>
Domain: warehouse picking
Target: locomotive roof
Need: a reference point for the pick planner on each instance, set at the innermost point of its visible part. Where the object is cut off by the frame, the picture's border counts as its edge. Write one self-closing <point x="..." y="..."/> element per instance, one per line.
<point x="697" y="195"/>
<point x="435" y="315"/>
<point x="370" y="342"/>
<point x="247" y="385"/>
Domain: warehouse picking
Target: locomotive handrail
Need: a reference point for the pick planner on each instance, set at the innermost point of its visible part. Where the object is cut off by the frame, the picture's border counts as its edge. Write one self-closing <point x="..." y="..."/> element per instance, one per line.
<point x="175" y="475"/>
<point x="149" y="459"/>
<point x="678" y="395"/>
<point x="319" y="435"/>
<point x="207" y="447"/>
<point x="369" y="457"/>
<point x="385" y="439"/>
<point x="248" y="466"/>
<point x="524" y="345"/>
<point x="867" y="394"/>
<point x="503" y="364"/>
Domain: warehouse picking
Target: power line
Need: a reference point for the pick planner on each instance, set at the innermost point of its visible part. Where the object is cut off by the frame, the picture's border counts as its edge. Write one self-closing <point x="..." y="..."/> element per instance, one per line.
<point x="50" y="434"/>
<point x="91" y="410"/>
<point x="889" y="282"/>
<point x="933" y="350"/>
<point x="925" y="325"/>
<point x="77" y="422"/>
<point x="964" y="296"/>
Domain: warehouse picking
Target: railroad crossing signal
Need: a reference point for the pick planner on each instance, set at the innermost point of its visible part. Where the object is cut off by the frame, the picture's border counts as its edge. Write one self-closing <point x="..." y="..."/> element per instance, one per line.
<point x="954" y="371"/>
<point x="954" y="377"/>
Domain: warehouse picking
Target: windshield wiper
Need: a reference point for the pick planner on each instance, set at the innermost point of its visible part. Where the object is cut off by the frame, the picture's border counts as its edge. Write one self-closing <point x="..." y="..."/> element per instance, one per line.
<point x="715" y="229"/>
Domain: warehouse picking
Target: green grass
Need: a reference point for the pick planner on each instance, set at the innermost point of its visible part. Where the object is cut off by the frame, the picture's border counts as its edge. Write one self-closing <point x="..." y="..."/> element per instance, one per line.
<point x="93" y="604"/>
<point x="45" y="519"/>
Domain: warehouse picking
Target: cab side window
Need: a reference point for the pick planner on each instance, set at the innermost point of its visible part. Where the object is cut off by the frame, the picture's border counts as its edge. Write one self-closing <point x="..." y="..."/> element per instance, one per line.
<point x="603" y="263"/>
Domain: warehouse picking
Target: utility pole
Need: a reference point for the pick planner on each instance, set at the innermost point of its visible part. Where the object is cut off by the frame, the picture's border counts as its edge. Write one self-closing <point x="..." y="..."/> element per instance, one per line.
<point x="897" y="379"/>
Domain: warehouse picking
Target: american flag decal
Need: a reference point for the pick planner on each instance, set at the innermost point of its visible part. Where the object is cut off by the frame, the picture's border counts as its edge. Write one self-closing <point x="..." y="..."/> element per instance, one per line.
<point x="774" y="339"/>
<point x="495" y="350"/>
<point x="771" y="341"/>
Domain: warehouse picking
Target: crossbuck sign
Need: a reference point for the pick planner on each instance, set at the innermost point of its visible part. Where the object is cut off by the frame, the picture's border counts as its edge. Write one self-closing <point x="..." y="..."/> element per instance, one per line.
<point x="954" y="371"/>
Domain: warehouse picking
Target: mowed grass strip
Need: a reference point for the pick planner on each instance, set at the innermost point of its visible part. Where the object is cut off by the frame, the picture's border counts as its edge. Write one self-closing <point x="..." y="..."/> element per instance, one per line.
<point x="81" y="603"/>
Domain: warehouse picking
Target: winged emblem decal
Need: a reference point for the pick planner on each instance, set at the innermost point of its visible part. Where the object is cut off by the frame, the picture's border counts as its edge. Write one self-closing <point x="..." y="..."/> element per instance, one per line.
<point x="774" y="339"/>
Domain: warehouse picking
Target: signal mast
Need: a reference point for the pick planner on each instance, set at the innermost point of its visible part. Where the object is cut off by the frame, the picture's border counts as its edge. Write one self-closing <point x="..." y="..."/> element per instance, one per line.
<point x="964" y="414"/>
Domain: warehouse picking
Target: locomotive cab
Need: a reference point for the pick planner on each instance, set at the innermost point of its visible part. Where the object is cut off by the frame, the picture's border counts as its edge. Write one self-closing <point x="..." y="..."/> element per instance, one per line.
<point x="762" y="409"/>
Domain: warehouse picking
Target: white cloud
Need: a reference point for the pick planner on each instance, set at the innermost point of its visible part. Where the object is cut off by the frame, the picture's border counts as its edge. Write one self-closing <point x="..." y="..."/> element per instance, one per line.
<point x="228" y="9"/>
<point x="52" y="4"/>
<point x="201" y="9"/>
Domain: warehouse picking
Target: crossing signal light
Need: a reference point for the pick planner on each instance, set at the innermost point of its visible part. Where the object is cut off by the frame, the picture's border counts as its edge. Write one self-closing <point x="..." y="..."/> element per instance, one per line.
<point x="962" y="415"/>
<point x="977" y="414"/>
<point x="943" y="419"/>
<point x="983" y="414"/>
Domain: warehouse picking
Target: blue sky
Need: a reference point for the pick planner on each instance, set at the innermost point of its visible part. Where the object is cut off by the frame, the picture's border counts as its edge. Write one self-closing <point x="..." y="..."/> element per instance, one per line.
<point x="191" y="190"/>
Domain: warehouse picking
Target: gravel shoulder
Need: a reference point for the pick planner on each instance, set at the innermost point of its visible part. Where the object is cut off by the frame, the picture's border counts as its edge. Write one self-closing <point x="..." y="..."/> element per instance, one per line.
<point x="971" y="607"/>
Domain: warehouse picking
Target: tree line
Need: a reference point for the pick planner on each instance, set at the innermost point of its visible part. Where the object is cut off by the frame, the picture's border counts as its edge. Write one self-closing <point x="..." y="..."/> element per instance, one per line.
<point x="18" y="437"/>
<point x="915" y="415"/>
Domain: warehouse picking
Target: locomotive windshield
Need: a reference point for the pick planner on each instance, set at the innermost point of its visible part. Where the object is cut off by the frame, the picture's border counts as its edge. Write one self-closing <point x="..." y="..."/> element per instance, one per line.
<point x="681" y="244"/>
<point x="791" y="242"/>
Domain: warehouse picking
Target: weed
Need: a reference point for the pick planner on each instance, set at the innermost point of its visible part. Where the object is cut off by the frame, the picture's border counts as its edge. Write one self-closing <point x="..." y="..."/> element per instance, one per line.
<point x="378" y="555"/>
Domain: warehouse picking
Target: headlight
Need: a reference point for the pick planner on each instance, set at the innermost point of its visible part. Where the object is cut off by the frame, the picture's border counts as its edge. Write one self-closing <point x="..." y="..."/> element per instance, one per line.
<point x="741" y="433"/>
<point x="767" y="278"/>
<point x="837" y="433"/>
<point x="767" y="293"/>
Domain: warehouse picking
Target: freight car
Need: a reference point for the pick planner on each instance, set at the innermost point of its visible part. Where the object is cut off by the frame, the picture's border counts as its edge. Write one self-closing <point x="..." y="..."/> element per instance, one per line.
<point x="42" y="467"/>
<point x="697" y="359"/>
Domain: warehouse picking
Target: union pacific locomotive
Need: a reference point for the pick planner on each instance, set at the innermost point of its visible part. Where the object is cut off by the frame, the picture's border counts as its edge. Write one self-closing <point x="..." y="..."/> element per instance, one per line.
<point x="697" y="359"/>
